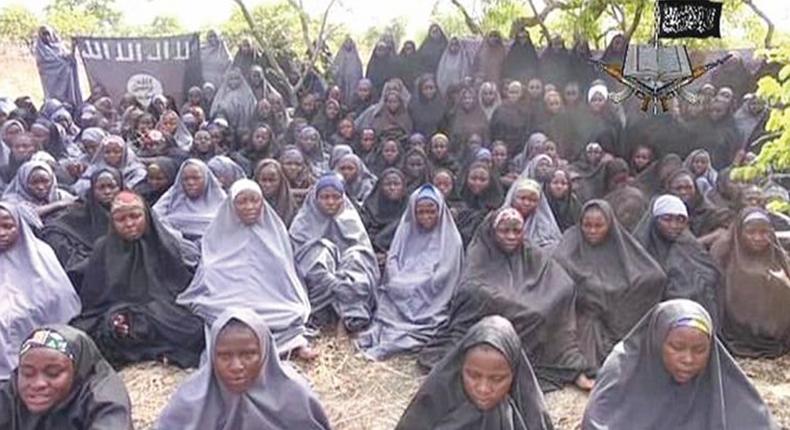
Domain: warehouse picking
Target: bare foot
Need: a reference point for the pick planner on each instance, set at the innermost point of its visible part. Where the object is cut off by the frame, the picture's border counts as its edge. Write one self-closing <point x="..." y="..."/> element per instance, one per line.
<point x="584" y="383"/>
<point x="306" y="353"/>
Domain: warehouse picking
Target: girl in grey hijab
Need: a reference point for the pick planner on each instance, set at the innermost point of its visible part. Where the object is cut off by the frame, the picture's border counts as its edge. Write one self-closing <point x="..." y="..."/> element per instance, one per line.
<point x="273" y="396"/>
<point x="230" y="274"/>
<point x="34" y="288"/>
<point x="347" y="69"/>
<point x="214" y="58"/>
<point x="423" y="269"/>
<point x="454" y="66"/>
<point x="359" y="181"/>
<point x="540" y="227"/>
<point x="186" y="212"/>
<point x="117" y="153"/>
<point x="234" y="100"/>
<point x="642" y="383"/>
<point x="334" y="255"/>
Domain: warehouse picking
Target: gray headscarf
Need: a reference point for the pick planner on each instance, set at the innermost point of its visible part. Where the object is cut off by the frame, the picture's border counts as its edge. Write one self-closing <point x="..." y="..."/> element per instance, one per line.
<point x="634" y="386"/>
<point x="224" y="167"/>
<point x="5" y="147"/>
<point x="236" y="105"/>
<point x="362" y="186"/>
<point x="423" y="269"/>
<point x="18" y="191"/>
<point x="347" y="69"/>
<point x="279" y="400"/>
<point x="335" y="257"/>
<point x="188" y="216"/>
<point x="229" y="274"/>
<point x="540" y="229"/>
<point x="134" y="172"/>
<point x="215" y="60"/>
<point x="453" y="68"/>
<point x="34" y="291"/>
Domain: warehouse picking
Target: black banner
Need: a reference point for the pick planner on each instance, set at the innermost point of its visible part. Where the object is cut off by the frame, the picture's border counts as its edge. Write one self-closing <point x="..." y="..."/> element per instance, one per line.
<point x="143" y="66"/>
<point x="698" y="19"/>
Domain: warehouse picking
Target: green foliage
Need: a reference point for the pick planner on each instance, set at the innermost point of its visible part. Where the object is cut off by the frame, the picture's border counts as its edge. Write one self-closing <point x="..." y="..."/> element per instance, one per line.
<point x="397" y="30"/>
<point x="775" y="155"/>
<point x="278" y="23"/>
<point x="499" y="14"/>
<point x="160" y="26"/>
<point x="18" y="24"/>
<point x="83" y="17"/>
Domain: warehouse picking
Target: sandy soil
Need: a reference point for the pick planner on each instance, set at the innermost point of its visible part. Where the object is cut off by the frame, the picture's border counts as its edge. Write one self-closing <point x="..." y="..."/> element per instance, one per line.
<point x="362" y="395"/>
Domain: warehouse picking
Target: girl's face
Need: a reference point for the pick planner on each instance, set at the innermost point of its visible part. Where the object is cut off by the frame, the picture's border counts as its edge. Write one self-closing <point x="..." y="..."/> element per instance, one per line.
<point x="560" y="186"/>
<point x="23" y="147"/>
<point x="535" y="88"/>
<point x="40" y="135"/>
<point x="757" y="236"/>
<point x="308" y="141"/>
<point x="346" y="129"/>
<point x="145" y="125"/>
<point x="685" y="352"/>
<point x="475" y="142"/>
<point x="332" y="110"/>
<point x="393" y="103"/>
<point x="439" y="148"/>
<point x="514" y="92"/>
<point x="238" y="358"/>
<point x="554" y="103"/>
<point x="364" y="91"/>
<point x="368" y="140"/>
<point x="130" y="223"/>
<point x="525" y="202"/>
<point x="487" y="376"/>
<point x="393" y="187"/>
<point x="670" y="227"/>
<point x="348" y="170"/>
<point x="11" y="132"/>
<point x="572" y="94"/>
<point x="594" y="226"/>
<point x="9" y="230"/>
<point x="330" y="201"/>
<point x="105" y="188"/>
<point x="509" y="235"/>
<point x="700" y="164"/>
<point x="390" y="151"/>
<point x="428" y="89"/>
<point x="478" y="181"/>
<point x="427" y="214"/>
<point x="544" y="170"/>
<point x="415" y="166"/>
<point x="157" y="178"/>
<point x="683" y="187"/>
<point x="204" y="140"/>
<point x="488" y="95"/>
<point x="292" y="166"/>
<point x="550" y="149"/>
<point x="193" y="181"/>
<point x="45" y="378"/>
<point x="467" y="100"/>
<point x="261" y="138"/>
<point x="597" y="102"/>
<point x="248" y="206"/>
<point x="269" y="181"/>
<point x="642" y="158"/>
<point x="444" y="182"/>
<point x="113" y="154"/>
<point x="217" y="138"/>
<point x="594" y="155"/>
<point x="499" y="155"/>
<point x="170" y="123"/>
<point x="39" y="183"/>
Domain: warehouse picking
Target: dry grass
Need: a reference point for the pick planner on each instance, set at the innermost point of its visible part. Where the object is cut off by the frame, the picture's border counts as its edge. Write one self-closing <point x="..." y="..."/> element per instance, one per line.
<point x="359" y="394"/>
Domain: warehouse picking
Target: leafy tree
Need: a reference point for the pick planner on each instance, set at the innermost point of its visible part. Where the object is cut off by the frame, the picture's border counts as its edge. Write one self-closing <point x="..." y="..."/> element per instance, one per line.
<point x="86" y="17"/>
<point x="17" y="24"/>
<point x="159" y="26"/>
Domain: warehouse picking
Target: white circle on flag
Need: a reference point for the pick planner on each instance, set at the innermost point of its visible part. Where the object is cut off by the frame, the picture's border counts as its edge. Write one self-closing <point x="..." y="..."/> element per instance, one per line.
<point x="144" y="87"/>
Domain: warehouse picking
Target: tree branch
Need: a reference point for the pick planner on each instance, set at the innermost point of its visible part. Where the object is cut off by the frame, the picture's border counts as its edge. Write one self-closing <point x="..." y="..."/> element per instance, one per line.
<point x="541" y="18"/>
<point x="769" y="35"/>
<point x="319" y="45"/>
<point x="267" y="52"/>
<point x="470" y="22"/>
<point x="619" y="15"/>
<point x="640" y="9"/>
<point x="304" y="20"/>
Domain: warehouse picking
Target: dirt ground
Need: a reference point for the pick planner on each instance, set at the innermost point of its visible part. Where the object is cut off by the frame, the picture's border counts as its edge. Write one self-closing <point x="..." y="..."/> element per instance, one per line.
<point x="362" y="395"/>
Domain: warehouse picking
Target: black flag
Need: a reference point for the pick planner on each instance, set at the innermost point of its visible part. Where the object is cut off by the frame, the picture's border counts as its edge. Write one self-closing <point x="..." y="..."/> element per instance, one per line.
<point x="689" y="18"/>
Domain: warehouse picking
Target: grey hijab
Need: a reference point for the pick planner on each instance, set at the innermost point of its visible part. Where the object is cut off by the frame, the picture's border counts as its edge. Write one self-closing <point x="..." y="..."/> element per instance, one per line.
<point x="362" y="186"/>
<point x="34" y="291"/>
<point x="442" y="404"/>
<point x="634" y="387"/>
<point x="134" y="172"/>
<point x="453" y="68"/>
<point x="18" y="191"/>
<point x="423" y="269"/>
<point x="224" y="167"/>
<point x="229" y="274"/>
<point x="237" y="105"/>
<point x="188" y="216"/>
<point x="335" y="257"/>
<point x="347" y="69"/>
<point x="279" y="400"/>
<point x="540" y="229"/>
<point x="215" y="61"/>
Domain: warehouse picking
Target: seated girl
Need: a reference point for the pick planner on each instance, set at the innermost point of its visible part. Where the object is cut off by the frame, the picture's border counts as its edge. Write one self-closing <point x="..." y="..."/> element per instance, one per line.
<point x="73" y="233"/>
<point x="247" y="260"/>
<point x="113" y="152"/>
<point x="243" y="384"/>
<point x="485" y="382"/>
<point x="130" y="286"/>
<point x="423" y="269"/>
<point x="359" y="182"/>
<point x="300" y="176"/>
<point x="36" y="186"/>
<point x="276" y="189"/>
<point x="63" y="383"/>
<point x="706" y="221"/>
<point x="34" y="288"/>
<point x="698" y="163"/>
<point x="562" y="200"/>
<point x="671" y="372"/>
<point x="226" y="171"/>
<point x="193" y="200"/>
<point x="161" y="175"/>
<point x="382" y="210"/>
<point x="504" y="275"/>
<point x="691" y="272"/>
<point x="617" y="281"/>
<point x="334" y="256"/>
<point x="482" y="194"/>
<point x="540" y="227"/>
<point x="756" y="296"/>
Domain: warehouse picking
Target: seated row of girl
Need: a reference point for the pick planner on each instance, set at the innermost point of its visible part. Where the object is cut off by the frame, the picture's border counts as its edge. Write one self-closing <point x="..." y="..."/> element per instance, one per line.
<point x="671" y="359"/>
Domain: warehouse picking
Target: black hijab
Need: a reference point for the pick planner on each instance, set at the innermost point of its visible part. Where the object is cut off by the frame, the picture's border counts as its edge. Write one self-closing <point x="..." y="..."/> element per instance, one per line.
<point x="431" y="50"/>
